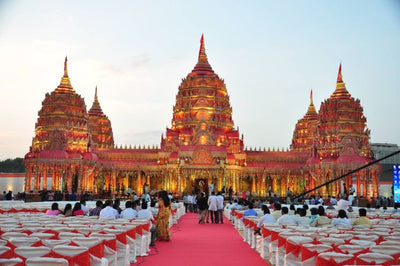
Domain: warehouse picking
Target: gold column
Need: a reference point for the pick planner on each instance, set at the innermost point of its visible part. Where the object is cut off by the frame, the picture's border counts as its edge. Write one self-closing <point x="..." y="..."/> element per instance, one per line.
<point x="139" y="183"/>
<point x="253" y="184"/>
<point x="44" y="178"/>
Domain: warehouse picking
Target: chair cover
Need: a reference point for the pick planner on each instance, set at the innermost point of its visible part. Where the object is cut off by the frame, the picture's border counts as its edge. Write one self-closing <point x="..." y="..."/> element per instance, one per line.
<point x="375" y="258"/>
<point x="9" y="235"/>
<point x="74" y="254"/>
<point x="352" y="249"/>
<point x="6" y="252"/>
<point x="331" y="241"/>
<point x="334" y="258"/>
<point x="309" y="252"/>
<point x="23" y="241"/>
<point x="30" y="252"/>
<point x="391" y="250"/>
<point x="363" y="243"/>
<point x="10" y="261"/>
<point x="42" y="235"/>
<point x="46" y="261"/>
<point x="69" y="235"/>
<point x="51" y="243"/>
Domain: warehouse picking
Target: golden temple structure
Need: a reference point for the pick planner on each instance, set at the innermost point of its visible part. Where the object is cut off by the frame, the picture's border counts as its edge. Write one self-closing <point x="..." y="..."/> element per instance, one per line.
<point x="75" y="148"/>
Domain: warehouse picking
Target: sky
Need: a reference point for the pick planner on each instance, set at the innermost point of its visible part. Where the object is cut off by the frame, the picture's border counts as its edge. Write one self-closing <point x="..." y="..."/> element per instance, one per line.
<point x="270" y="54"/>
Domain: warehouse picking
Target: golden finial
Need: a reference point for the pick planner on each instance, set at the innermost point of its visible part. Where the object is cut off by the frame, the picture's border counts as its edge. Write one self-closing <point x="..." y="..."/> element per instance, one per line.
<point x="95" y="95"/>
<point x="65" y="67"/>
<point x="339" y="77"/>
<point x="311" y="98"/>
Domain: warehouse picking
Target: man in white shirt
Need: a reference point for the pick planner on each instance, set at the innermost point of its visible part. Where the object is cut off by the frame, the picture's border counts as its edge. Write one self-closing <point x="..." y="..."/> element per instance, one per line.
<point x="301" y="218"/>
<point x="333" y="200"/>
<point x="128" y="213"/>
<point x="220" y="208"/>
<point x="343" y="204"/>
<point x="266" y="219"/>
<point x="286" y="219"/>
<point x="108" y="212"/>
<point x="145" y="214"/>
<point x="211" y="188"/>
<point x="213" y="207"/>
<point x="190" y="202"/>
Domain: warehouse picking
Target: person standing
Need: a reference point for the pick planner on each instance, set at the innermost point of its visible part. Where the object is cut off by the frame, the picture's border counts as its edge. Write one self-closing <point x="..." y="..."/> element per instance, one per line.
<point x="164" y="211"/>
<point x="211" y="188"/>
<point x="220" y="208"/>
<point x="230" y="191"/>
<point x="213" y="207"/>
<point x="202" y="207"/>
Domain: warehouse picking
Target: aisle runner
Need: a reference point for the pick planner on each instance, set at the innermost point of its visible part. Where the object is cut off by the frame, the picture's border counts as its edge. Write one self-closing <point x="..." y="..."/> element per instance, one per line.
<point x="202" y="244"/>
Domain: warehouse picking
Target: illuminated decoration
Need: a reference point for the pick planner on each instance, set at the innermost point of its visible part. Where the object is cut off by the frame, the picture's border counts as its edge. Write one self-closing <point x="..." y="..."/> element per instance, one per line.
<point x="396" y="183"/>
<point x="76" y="148"/>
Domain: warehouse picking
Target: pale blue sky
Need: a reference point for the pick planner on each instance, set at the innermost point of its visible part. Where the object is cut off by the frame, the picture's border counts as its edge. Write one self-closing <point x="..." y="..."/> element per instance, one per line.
<point x="269" y="53"/>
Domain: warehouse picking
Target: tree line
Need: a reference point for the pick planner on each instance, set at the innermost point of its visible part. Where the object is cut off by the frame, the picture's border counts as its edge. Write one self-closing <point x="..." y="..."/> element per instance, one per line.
<point x="12" y="166"/>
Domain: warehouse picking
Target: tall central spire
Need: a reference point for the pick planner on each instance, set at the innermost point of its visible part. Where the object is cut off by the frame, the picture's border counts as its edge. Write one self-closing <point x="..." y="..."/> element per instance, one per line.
<point x="340" y="90"/>
<point x="65" y="84"/>
<point x="202" y="67"/>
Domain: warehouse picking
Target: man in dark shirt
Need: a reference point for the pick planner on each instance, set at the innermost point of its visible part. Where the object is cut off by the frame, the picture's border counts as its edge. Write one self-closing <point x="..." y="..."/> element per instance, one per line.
<point x="202" y="207"/>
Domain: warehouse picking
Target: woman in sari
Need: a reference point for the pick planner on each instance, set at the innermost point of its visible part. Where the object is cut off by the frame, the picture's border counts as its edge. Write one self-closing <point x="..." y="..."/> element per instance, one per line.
<point x="164" y="211"/>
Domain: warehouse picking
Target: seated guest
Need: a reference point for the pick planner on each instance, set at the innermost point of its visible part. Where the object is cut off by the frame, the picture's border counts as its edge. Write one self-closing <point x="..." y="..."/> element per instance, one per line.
<point x="145" y="214"/>
<point x="301" y="218"/>
<point x="67" y="210"/>
<point x="249" y="211"/>
<point x="96" y="210"/>
<point x="54" y="209"/>
<point x="342" y="219"/>
<point x="292" y="209"/>
<point x="314" y="214"/>
<point x="77" y="211"/>
<point x="363" y="219"/>
<point x="308" y="212"/>
<point x="108" y="212"/>
<point x="277" y="211"/>
<point x="286" y="218"/>
<point x="266" y="219"/>
<point x="128" y="213"/>
<point x="153" y="208"/>
<point x="83" y="207"/>
<point x="116" y="205"/>
<point x="322" y="219"/>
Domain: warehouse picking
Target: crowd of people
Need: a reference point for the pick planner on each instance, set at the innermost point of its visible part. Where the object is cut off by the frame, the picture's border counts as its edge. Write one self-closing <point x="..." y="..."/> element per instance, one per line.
<point x="156" y="209"/>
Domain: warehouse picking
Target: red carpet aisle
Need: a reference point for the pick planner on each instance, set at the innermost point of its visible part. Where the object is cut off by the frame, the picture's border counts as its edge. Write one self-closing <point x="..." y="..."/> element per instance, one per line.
<point x="202" y="244"/>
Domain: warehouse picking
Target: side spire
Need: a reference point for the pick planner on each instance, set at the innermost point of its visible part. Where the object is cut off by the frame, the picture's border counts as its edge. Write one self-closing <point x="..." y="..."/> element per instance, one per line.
<point x="339" y="76"/>
<point x="95" y="109"/>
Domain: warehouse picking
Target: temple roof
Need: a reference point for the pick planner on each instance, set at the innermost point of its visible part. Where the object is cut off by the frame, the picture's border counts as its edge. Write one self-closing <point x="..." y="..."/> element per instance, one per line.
<point x="340" y="90"/>
<point x="202" y="67"/>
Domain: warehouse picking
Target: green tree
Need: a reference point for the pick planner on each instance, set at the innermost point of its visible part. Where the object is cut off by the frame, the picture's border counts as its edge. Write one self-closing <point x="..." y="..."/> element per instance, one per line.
<point x="12" y="166"/>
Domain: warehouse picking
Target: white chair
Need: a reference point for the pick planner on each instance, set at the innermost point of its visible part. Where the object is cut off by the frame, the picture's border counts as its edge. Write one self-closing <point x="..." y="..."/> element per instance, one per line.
<point x="351" y="249"/>
<point x="30" y="252"/>
<point x="51" y="243"/>
<point x="309" y="253"/>
<point x="338" y="258"/>
<point x="292" y="249"/>
<point x="363" y="243"/>
<point x="69" y="235"/>
<point x="9" y="235"/>
<point x="46" y="261"/>
<point x="332" y="241"/>
<point x="42" y="235"/>
<point x="10" y="261"/>
<point x="109" y="253"/>
<point x="373" y="258"/>
<point x="74" y="253"/>
<point x="23" y="241"/>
